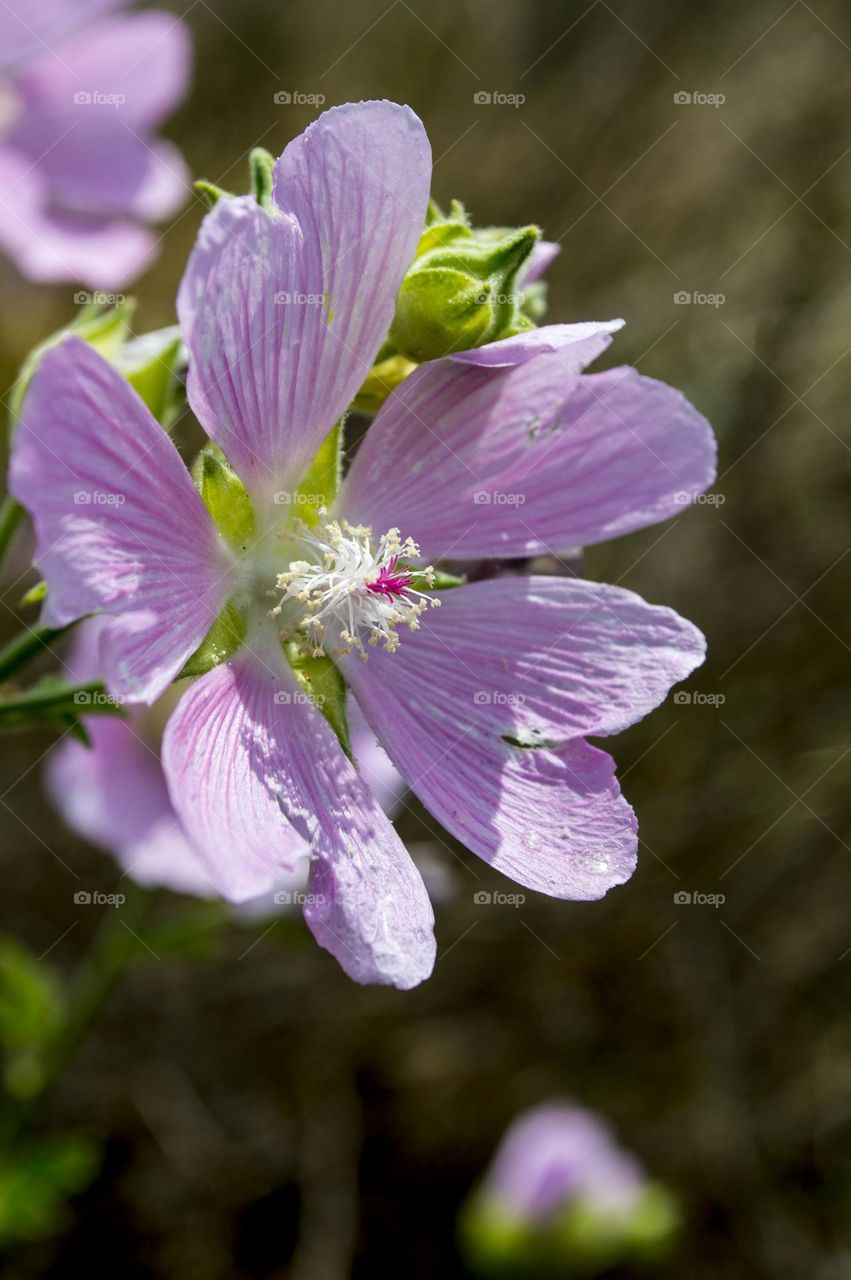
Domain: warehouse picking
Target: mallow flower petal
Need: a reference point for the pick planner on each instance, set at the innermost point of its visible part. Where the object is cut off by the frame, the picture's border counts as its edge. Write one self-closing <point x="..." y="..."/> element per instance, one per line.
<point x="120" y="528"/>
<point x="27" y="30"/>
<point x="581" y="342"/>
<point x="539" y="262"/>
<point x="551" y="819"/>
<point x="113" y="793"/>
<point x="545" y="657"/>
<point x="482" y="707"/>
<point x="86" y="111"/>
<point x="283" y="312"/>
<point x="515" y="462"/>
<point x="257" y="776"/>
<point x="132" y="67"/>
<point x="50" y="245"/>
<point x="222" y="758"/>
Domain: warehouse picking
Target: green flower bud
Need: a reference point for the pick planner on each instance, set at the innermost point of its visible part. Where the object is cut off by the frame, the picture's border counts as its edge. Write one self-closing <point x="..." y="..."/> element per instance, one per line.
<point x="460" y="291"/>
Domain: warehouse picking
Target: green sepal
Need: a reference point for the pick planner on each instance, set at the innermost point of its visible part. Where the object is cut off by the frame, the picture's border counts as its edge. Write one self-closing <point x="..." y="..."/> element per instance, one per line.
<point x="153" y="363"/>
<point x="104" y="329"/>
<point x="211" y="193"/>
<point x="221" y="641"/>
<point x="440" y="581"/>
<point x="261" y="164"/>
<point x="460" y="292"/>
<point x="322" y="479"/>
<point x="384" y="376"/>
<point x="35" y="595"/>
<point x="440" y="310"/>
<point x="326" y="688"/>
<point x="581" y="1239"/>
<point x="225" y="497"/>
<point x="534" y="301"/>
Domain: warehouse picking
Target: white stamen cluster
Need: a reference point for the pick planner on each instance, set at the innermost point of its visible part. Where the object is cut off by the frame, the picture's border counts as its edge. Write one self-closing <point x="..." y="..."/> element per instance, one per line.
<point x="327" y="600"/>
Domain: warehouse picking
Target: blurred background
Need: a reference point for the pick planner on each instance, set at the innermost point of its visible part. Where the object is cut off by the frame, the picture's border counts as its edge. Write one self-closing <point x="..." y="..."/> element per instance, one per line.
<point x="257" y="1113"/>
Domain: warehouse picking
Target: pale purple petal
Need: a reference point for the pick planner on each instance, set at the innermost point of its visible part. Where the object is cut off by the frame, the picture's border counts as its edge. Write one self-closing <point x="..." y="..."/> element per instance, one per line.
<point x="584" y="342"/>
<point x="133" y="68"/>
<point x="120" y="527"/>
<point x="249" y="765"/>
<point x="556" y="1153"/>
<point x="475" y="708"/>
<point x="114" y="795"/>
<point x="539" y="262"/>
<point x="511" y="463"/>
<point x="86" y="113"/>
<point x="98" y="167"/>
<point x="33" y="28"/>
<point x="556" y="657"/>
<point x="48" y="245"/>
<point x="284" y="313"/>
<point x="167" y="183"/>
<point x="551" y="820"/>
<point x="222" y="759"/>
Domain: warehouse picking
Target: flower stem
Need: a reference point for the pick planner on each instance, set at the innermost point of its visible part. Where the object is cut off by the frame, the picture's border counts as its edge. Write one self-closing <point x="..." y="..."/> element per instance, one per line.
<point x="10" y="515"/>
<point x="54" y="701"/>
<point x="25" y="646"/>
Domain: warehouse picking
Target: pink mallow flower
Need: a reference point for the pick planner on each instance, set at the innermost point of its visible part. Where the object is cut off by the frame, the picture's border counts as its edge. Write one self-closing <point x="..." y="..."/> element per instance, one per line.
<point x="555" y="1155"/>
<point x="113" y="792"/>
<point x="563" y="1197"/>
<point x="482" y="704"/>
<point x="82" y="172"/>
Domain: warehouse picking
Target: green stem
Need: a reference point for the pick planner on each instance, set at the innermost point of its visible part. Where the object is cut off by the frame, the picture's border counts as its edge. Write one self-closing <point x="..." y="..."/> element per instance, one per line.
<point x="10" y="515"/>
<point x="115" y="948"/>
<point x="25" y="646"/>
<point x="56" y="702"/>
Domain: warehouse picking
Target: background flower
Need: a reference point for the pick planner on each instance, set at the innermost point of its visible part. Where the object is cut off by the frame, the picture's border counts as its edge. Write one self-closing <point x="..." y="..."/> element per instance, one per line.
<point x="82" y="93"/>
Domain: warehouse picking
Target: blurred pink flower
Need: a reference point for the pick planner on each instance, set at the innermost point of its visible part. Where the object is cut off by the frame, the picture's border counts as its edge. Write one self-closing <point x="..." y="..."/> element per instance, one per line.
<point x="82" y="172"/>
<point x="556" y="1154"/>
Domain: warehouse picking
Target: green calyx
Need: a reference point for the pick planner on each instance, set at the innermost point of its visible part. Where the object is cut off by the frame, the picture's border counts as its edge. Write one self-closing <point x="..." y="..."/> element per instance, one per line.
<point x="460" y="291"/>
<point x="580" y="1239"/>
<point x="221" y="642"/>
<point x="319" y="487"/>
<point x="153" y="364"/>
<point x="105" y="329"/>
<point x="261" y="166"/>
<point x="210" y="193"/>
<point x="225" y="497"/>
<point x="324" y="686"/>
<point x="261" y="170"/>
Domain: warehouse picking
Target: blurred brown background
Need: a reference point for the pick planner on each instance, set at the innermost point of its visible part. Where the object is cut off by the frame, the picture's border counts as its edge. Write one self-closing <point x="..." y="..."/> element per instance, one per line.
<point x="262" y="1115"/>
